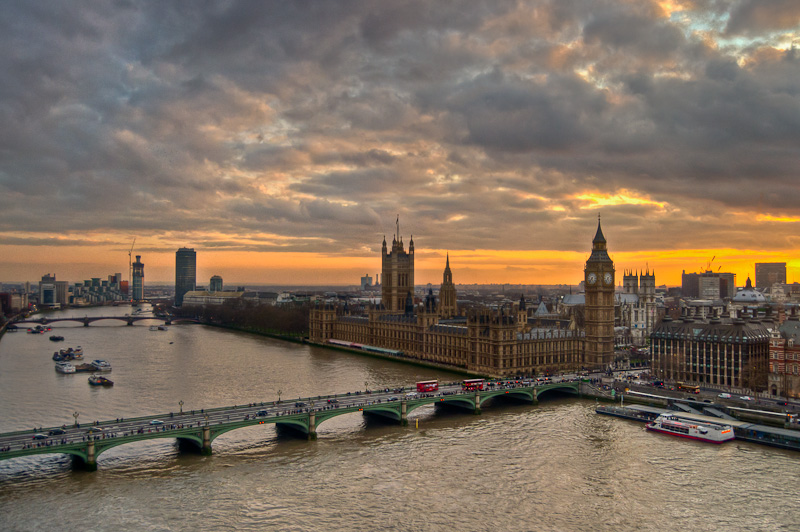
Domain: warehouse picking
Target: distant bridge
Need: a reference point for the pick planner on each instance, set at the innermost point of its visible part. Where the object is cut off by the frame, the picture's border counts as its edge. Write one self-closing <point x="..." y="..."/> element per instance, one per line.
<point x="195" y="430"/>
<point x="86" y="320"/>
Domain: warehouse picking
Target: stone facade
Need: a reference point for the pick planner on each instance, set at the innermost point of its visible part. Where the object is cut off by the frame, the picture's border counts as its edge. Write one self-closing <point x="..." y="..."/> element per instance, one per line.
<point x="599" y="309"/>
<point x="731" y="352"/>
<point x="497" y="342"/>
<point x="784" y="359"/>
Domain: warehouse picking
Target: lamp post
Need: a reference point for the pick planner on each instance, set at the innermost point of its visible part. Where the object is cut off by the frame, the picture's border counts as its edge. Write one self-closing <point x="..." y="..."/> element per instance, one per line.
<point x="180" y="404"/>
<point x="75" y="415"/>
<point x="366" y="387"/>
<point x="279" y="395"/>
<point x="206" y="416"/>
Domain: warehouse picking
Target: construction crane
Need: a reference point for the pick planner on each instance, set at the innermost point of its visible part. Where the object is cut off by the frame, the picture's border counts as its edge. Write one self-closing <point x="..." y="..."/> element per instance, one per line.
<point x="130" y="266"/>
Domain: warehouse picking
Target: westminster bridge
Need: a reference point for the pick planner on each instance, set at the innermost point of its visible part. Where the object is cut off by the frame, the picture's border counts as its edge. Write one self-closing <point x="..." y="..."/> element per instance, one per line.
<point x="195" y="430"/>
<point x="87" y="320"/>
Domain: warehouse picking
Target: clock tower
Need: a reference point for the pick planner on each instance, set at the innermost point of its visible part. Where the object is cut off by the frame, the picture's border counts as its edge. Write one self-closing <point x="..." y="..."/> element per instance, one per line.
<point x="599" y="309"/>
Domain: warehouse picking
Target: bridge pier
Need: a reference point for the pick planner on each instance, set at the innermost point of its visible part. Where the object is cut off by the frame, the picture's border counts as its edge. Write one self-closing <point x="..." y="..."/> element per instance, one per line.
<point x="535" y="397"/>
<point x="86" y="322"/>
<point x="312" y="426"/>
<point x="404" y="413"/>
<point x="206" y="449"/>
<point x="129" y="322"/>
<point x="90" y="463"/>
<point x="477" y="410"/>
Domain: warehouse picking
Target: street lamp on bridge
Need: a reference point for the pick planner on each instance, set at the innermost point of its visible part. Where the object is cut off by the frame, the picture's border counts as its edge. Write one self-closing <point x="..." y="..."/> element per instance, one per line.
<point x="75" y="415"/>
<point x="180" y="404"/>
<point x="279" y="395"/>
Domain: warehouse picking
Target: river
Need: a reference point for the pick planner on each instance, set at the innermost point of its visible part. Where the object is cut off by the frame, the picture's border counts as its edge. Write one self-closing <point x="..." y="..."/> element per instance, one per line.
<point x="556" y="466"/>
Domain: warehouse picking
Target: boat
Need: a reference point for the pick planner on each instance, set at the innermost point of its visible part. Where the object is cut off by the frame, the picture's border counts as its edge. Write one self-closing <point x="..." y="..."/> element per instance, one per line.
<point x="85" y="368"/>
<point x="70" y="353"/>
<point x="65" y="367"/>
<point x="58" y="357"/>
<point x="154" y="327"/>
<point x="101" y="365"/>
<point x="695" y="430"/>
<point x="56" y="338"/>
<point x="98" y="380"/>
<point x="162" y="328"/>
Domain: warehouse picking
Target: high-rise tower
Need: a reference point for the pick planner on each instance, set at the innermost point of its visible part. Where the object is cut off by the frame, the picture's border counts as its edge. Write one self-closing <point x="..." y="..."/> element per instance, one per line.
<point x="397" y="273"/>
<point x="138" y="279"/>
<point x="599" y="312"/>
<point x="185" y="273"/>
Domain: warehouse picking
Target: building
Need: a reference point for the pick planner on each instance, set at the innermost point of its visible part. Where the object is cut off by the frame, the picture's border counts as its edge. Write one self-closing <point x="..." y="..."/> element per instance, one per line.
<point x="599" y="309"/>
<point x="448" y="305"/>
<point x="203" y="298"/>
<point x="185" y="273"/>
<point x="138" y="279"/>
<point x="784" y="359"/>
<point x="637" y="306"/>
<point x="397" y="274"/>
<point x="47" y="291"/>
<point x="215" y="284"/>
<point x="366" y="282"/>
<point x="708" y="285"/>
<point x="715" y="351"/>
<point x="769" y="273"/>
<point x="497" y="341"/>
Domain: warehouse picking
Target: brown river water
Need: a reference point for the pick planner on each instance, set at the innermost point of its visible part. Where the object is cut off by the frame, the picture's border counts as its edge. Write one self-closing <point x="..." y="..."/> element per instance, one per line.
<point x="556" y="466"/>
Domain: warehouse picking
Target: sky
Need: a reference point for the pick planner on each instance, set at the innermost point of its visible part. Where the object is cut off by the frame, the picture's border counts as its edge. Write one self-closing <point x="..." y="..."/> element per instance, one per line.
<point x="281" y="140"/>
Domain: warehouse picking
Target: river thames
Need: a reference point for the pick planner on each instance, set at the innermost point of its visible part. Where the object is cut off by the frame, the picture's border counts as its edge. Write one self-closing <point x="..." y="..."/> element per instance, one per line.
<point x="556" y="466"/>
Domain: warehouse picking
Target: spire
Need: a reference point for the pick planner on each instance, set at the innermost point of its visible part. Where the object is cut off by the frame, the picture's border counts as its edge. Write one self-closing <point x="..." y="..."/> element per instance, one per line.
<point x="447" y="265"/>
<point x="599" y="238"/>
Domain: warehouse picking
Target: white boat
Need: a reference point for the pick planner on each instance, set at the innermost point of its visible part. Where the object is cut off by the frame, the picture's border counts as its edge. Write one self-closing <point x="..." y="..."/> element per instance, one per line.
<point x="65" y="367"/>
<point x="101" y="365"/>
<point x="694" y="430"/>
<point x="154" y="327"/>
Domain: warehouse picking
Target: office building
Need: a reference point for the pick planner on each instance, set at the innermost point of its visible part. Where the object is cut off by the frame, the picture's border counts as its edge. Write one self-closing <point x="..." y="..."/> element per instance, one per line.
<point x="185" y="273"/>
<point x="769" y="273"/>
<point x="138" y="279"/>
<point x="215" y="284"/>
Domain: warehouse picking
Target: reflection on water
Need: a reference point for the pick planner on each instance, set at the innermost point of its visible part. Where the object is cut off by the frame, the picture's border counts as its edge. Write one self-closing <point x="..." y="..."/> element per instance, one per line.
<point x="557" y="466"/>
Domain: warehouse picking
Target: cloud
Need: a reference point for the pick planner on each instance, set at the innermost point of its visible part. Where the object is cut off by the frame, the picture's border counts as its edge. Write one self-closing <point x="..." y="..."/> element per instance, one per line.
<point x="310" y="126"/>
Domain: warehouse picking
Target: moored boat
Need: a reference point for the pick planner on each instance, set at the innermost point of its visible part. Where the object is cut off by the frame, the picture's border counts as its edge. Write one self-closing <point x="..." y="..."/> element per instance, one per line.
<point x="694" y="430"/>
<point x="98" y="380"/>
<point x="84" y="368"/>
<point x="65" y="367"/>
<point x="56" y="338"/>
<point x="101" y="365"/>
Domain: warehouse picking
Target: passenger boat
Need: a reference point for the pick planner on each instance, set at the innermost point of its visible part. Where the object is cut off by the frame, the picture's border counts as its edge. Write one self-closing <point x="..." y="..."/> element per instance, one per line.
<point x="695" y="430"/>
<point x="154" y="327"/>
<point x="101" y="365"/>
<point x="65" y="367"/>
<point x="98" y="380"/>
<point x="56" y="338"/>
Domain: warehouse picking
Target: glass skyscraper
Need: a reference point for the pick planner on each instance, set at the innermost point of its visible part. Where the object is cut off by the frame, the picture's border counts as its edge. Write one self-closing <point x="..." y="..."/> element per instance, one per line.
<point x="185" y="273"/>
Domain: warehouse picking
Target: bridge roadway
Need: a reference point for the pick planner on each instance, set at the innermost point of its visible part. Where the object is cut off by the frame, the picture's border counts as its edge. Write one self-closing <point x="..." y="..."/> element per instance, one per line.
<point x="196" y="429"/>
<point x="87" y="320"/>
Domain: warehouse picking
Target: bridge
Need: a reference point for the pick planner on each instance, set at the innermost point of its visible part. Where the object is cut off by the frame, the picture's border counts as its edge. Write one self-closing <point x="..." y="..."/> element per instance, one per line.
<point x="196" y="430"/>
<point x="87" y="320"/>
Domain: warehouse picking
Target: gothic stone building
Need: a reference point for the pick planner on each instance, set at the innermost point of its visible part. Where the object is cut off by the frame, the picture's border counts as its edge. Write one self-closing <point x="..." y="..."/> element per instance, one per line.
<point x="494" y="342"/>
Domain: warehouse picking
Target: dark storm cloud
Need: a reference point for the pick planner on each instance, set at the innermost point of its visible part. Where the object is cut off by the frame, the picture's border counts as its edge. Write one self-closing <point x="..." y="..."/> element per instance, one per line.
<point x="317" y="122"/>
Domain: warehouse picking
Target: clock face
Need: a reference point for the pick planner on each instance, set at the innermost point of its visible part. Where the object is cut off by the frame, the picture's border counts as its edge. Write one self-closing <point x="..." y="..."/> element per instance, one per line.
<point x="608" y="278"/>
<point x="591" y="278"/>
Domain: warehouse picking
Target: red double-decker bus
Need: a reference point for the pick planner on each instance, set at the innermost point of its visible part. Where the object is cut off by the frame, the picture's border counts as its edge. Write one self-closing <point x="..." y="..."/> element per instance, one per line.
<point x="427" y="386"/>
<point x="472" y="384"/>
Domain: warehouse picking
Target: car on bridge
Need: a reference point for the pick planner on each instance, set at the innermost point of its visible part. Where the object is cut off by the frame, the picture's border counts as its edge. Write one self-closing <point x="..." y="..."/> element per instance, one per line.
<point x="57" y="432"/>
<point x="40" y="436"/>
<point x="156" y="422"/>
<point x="91" y="430"/>
<point x="261" y="413"/>
<point x="299" y="404"/>
<point x="332" y="401"/>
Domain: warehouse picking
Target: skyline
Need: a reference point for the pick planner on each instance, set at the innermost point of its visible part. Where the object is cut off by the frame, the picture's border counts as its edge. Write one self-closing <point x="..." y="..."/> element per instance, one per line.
<point x="280" y="141"/>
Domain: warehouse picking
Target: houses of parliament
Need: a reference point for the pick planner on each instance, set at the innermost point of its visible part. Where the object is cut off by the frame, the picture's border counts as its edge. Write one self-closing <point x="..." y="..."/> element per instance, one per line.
<point x="497" y="342"/>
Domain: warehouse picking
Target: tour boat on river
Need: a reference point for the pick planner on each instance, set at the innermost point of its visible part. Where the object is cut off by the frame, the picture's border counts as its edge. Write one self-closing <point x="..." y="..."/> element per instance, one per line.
<point x="101" y="365"/>
<point x="65" y="367"/>
<point x="695" y="430"/>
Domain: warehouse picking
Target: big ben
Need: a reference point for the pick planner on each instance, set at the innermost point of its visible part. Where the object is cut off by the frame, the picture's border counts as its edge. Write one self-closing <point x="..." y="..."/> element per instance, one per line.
<point x="599" y="282"/>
